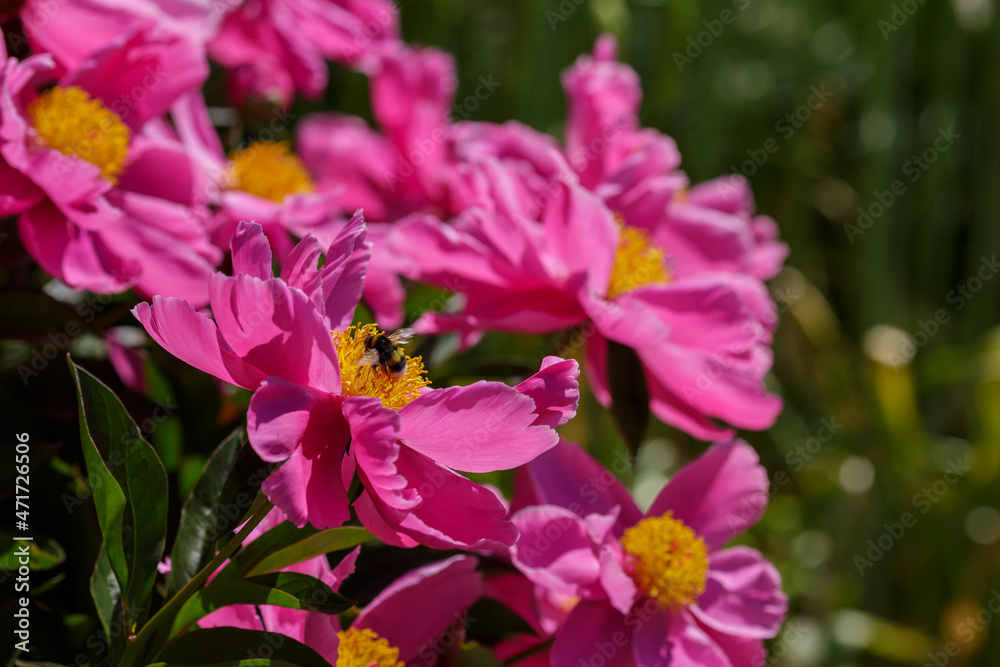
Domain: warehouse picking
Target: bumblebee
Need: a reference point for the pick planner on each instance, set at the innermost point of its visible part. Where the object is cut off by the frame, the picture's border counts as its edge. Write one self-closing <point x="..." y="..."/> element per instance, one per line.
<point x="381" y="351"/>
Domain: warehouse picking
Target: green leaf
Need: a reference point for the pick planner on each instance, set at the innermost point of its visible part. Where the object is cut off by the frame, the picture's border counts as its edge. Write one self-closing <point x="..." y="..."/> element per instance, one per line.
<point x="270" y="542"/>
<point x="495" y="621"/>
<point x="129" y="486"/>
<point x="107" y="598"/>
<point x="317" y="544"/>
<point x="43" y="553"/>
<point x="292" y="590"/>
<point x="228" y="646"/>
<point x="473" y="655"/>
<point x="629" y="394"/>
<point x="241" y="488"/>
<point x="197" y="534"/>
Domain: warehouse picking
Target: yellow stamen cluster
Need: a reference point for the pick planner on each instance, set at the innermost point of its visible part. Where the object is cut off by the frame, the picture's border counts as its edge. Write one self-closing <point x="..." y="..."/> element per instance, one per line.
<point x="358" y="380"/>
<point x="637" y="262"/>
<point x="669" y="562"/>
<point x="268" y="169"/>
<point x="364" y="648"/>
<point x="69" y="121"/>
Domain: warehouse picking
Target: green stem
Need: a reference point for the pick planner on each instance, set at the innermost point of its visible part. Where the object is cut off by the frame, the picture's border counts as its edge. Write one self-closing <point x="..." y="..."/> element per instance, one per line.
<point x="174" y="604"/>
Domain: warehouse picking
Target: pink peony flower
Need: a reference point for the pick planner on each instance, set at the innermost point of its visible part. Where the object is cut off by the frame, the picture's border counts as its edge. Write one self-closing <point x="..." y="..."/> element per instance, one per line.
<point x="655" y="587"/>
<point x="277" y="47"/>
<point x="263" y="181"/>
<point x="327" y="418"/>
<point x="74" y="30"/>
<point x="386" y="632"/>
<point x="703" y="350"/>
<point x="635" y="171"/>
<point x="107" y="199"/>
<point x="393" y="172"/>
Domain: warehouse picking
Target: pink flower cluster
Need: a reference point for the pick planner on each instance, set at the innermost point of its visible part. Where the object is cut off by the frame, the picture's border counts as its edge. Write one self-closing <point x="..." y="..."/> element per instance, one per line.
<point x="109" y="157"/>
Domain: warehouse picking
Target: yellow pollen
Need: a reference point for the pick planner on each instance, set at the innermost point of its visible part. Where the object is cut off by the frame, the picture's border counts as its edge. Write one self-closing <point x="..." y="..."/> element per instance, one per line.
<point x="669" y="562"/>
<point x="364" y="648"/>
<point x="637" y="262"/>
<point x="268" y="169"/>
<point x="374" y="381"/>
<point x="69" y="121"/>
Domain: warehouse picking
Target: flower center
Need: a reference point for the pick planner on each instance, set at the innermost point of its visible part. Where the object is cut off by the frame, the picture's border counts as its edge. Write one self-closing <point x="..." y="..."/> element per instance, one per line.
<point x="268" y="169"/>
<point x="669" y="562"/>
<point x="364" y="648"/>
<point x="69" y="121"/>
<point x="637" y="262"/>
<point x="357" y="380"/>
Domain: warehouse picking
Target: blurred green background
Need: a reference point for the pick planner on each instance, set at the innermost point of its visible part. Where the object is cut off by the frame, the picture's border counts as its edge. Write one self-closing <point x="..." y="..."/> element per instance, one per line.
<point x="882" y="399"/>
<point x="894" y="75"/>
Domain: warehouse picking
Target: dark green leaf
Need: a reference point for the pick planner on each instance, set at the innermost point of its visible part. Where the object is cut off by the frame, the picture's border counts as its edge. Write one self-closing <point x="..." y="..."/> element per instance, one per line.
<point x="292" y="590"/>
<point x="241" y="488"/>
<point x="317" y="544"/>
<point x="230" y="645"/>
<point x="270" y="542"/>
<point x="130" y="489"/>
<point x="474" y="655"/>
<point x="494" y="621"/>
<point x="43" y="553"/>
<point x="629" y="394"/>
<point x="107" y="599"/>
<point x="196" y="537"/>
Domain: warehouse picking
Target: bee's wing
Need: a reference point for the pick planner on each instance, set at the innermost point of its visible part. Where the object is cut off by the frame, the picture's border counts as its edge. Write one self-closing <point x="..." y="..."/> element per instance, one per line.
<point x="403" y="336"/>
<point x="368" y="358"/>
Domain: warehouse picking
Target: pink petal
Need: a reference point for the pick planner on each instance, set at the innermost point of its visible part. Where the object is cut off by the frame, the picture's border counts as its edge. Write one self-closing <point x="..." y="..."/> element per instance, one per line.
<point x="300" y="269"/>
<point x="343" y="274"/>
<point x="193" y="338"/>
<point x="555" y="390"/>
<point x="741" y="651"/>
<point x="594" y="634"/>
<point x="482" y="427"/>
<point x="75" y="255"/>
<point x="374" y="438"/>
<point x="160" y="63"/>
<point x="619" y="586"/>
<point x="452" y="584"/>
<point x="251" y="251"/>
<point x="719" y="494"/>
<point x="453" y="512"/>
<point x="277" y="329"/>
<point x="283" y="415"/>
<point x="688" y="644"/>
<point x="307" y="485"/>
<point x="555" y="551"/>
<point x="742" y="595"/>
<point x="173" y="250"/>
<point x="18" y="192"/>
<point x="370" y="511"/>
<point x="567" y="476"/>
